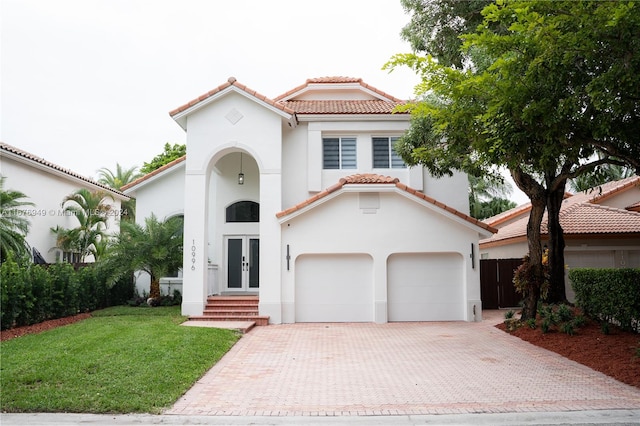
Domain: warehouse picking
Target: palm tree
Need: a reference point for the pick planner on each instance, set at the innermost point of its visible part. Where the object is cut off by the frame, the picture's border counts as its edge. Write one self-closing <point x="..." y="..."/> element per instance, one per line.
<point x="91" y="212"/>
<point x="483" y="193"/>
<point x="603" y="174"/>
<point x="155" y="249"/>
<point x="14" y="226"/>
<point x="116" y="181"/>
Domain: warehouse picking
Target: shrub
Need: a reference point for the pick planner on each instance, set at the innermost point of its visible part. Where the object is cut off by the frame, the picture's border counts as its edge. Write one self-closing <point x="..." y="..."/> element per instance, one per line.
<point x="564" y="313"/>
<point x="531" y="322"/>
<point x="611" y="295"/>
<point x="568" y="328"/>
<point x="509" y="314"/>
<point x="34" y="293"/>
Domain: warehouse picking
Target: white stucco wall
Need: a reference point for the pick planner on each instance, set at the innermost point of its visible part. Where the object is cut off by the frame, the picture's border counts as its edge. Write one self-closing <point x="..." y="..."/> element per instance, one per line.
<point x="341" y="226"/>
<point x="46" y="188"/>
<point x="163" y="195"/>
<point x="214" y="142"/>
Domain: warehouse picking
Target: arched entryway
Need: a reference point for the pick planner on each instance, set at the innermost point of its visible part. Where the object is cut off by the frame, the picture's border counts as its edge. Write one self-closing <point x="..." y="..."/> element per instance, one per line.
<point x="234" y="223"/>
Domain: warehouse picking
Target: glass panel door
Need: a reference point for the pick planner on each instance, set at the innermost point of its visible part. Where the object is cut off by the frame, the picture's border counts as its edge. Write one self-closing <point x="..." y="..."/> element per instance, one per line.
<point x="243" y="263"/>
<point x="254" y="262"/>
<point x="234" y="263"/>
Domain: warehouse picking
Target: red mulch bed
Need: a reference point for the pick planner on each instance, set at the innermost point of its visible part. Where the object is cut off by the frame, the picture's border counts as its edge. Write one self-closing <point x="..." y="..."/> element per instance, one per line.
<point x="43" y="326"/>
<point x="613" y="354"/>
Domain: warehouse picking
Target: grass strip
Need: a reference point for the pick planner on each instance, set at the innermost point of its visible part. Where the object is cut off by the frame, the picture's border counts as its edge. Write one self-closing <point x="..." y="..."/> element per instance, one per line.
<point x="122" y="360"/>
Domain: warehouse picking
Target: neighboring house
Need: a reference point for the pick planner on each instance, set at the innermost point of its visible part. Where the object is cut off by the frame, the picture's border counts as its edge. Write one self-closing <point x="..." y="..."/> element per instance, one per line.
<point x="302" y="200"/>
<point x="601" y="229"/>
<point x="46" y="185"/>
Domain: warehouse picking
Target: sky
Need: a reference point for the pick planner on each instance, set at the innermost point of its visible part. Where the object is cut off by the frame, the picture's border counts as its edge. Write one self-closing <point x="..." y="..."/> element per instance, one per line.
<point x="87" y="84"/>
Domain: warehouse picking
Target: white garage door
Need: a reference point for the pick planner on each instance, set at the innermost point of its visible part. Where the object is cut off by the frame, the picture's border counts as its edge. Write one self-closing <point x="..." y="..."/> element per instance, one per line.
<point x="334" y="288"/>
<point x="425" y="287"/>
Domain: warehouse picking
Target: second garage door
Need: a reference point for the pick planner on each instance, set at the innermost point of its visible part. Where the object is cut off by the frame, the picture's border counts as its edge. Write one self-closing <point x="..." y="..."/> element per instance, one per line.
<point x="425" y="287"/>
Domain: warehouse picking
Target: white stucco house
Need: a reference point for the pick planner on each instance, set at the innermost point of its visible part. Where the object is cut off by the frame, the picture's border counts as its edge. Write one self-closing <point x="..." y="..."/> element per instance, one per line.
<point x="302" y="200"/>
<point x="46" y="185"/>
<point x="601" y="229"/>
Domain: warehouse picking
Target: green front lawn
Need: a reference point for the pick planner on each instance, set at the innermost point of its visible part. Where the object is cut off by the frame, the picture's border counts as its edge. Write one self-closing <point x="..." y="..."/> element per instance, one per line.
<point x="122" y="360"/>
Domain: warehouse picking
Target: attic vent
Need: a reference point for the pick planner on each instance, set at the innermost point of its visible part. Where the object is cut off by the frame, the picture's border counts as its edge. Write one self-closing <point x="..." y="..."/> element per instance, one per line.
<point x="369" y="202"/>
<point x="234" y="116"/>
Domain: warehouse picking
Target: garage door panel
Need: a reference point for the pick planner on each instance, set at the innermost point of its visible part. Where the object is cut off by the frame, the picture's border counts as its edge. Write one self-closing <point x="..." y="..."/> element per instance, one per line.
<point x="334" y="288"/>
<point x="425" y="287"/>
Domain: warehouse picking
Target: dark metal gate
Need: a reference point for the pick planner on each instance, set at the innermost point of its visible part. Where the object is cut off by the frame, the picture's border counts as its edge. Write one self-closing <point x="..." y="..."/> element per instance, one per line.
<point x="496" y="283"/>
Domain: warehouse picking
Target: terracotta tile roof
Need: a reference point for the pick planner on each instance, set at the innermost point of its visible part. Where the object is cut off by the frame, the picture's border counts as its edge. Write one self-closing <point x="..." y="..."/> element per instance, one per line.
<point x="634" y="207"/>
<point x="231" y="82"/>
<point x="336" y="80"/>
<point x="39" y="160"/>
<point x="592" y="195"/>
<point x="588" y="218"/>
<point x="371" y="178"/>
<point x="581" y="215"/>
<point x="154" y="173"/>
<point x="508" y="215"/>
<point x="342" y="106"/>
<point x="602" y="192"/>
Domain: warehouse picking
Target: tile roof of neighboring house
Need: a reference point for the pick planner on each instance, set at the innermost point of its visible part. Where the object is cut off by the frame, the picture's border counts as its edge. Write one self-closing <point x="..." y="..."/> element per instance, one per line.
<point x="592" y="195"/>
<point x="231" y="82"/>
<point x="28" y="156"/>
<point x="580" y="215"/>
<point x="336" y="80"/>
<point x="154" y="173"/>
<point x="370" y="178"/>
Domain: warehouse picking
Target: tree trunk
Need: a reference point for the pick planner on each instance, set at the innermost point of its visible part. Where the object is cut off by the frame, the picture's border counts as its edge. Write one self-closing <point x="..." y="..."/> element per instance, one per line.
<point x="537" y="195"/>
<point x="154" y="288"/>
<point x="557" y="292"/>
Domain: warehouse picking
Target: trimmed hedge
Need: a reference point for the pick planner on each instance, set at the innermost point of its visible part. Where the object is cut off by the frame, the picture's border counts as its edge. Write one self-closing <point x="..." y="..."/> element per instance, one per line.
<point x="34" y="293"/>
<point x="612" y="295"/>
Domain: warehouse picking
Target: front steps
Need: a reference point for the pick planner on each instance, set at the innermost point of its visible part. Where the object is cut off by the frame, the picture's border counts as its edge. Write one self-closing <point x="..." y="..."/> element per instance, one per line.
<point x="232" y="308"/>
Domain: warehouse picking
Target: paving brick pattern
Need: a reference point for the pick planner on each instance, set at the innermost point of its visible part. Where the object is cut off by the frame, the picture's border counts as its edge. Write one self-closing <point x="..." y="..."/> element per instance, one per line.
<point x="396" y="369"/>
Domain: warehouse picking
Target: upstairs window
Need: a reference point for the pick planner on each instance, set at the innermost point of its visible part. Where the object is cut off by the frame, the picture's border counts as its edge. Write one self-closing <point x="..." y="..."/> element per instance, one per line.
<point x="384" y="155"/>
<point x="339" y="153"/>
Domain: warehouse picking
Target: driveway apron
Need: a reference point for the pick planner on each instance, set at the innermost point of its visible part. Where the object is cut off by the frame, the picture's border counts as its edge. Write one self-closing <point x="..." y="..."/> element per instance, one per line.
<point x="396" y="369"/>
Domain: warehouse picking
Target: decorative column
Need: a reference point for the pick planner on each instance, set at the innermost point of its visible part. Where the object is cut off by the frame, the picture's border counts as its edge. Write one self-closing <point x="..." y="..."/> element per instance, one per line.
<point x="195" y="270"/>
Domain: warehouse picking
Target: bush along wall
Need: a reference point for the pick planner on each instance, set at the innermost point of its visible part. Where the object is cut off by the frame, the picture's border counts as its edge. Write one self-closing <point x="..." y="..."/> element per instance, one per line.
<point x="34" y="293"/>
<point x="611" y="295"/>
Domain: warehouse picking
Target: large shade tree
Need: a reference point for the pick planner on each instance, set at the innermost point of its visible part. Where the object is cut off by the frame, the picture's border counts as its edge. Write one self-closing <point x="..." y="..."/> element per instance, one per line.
<point x="170" y="153"/>
<point x="155" y="248"/>
<point x="14" y="223"/>
<point x="547" y="86"/>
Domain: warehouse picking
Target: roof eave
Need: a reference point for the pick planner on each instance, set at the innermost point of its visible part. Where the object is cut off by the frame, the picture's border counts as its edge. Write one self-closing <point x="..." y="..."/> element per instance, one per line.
<point x="353" y="117"/>
<point x="180" y="116"/>
<point x="167" y="169"/>
<point x="61" y="173"/>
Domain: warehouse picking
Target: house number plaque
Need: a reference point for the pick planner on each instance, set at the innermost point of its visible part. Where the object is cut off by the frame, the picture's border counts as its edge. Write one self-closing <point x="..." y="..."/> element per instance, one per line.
<point x="193" y="255"/>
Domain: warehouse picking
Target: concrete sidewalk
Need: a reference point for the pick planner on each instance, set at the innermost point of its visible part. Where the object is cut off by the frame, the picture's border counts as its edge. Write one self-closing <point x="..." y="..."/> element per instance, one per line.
<point x="600" y="417"/>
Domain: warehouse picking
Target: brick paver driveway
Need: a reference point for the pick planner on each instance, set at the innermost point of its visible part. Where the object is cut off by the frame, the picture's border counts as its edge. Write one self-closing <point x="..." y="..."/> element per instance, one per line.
<point x="396" y="368"/>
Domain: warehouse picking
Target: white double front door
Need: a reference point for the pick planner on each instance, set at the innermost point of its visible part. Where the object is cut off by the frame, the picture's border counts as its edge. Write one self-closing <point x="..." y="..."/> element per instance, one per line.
<point x="243" y="263"/>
